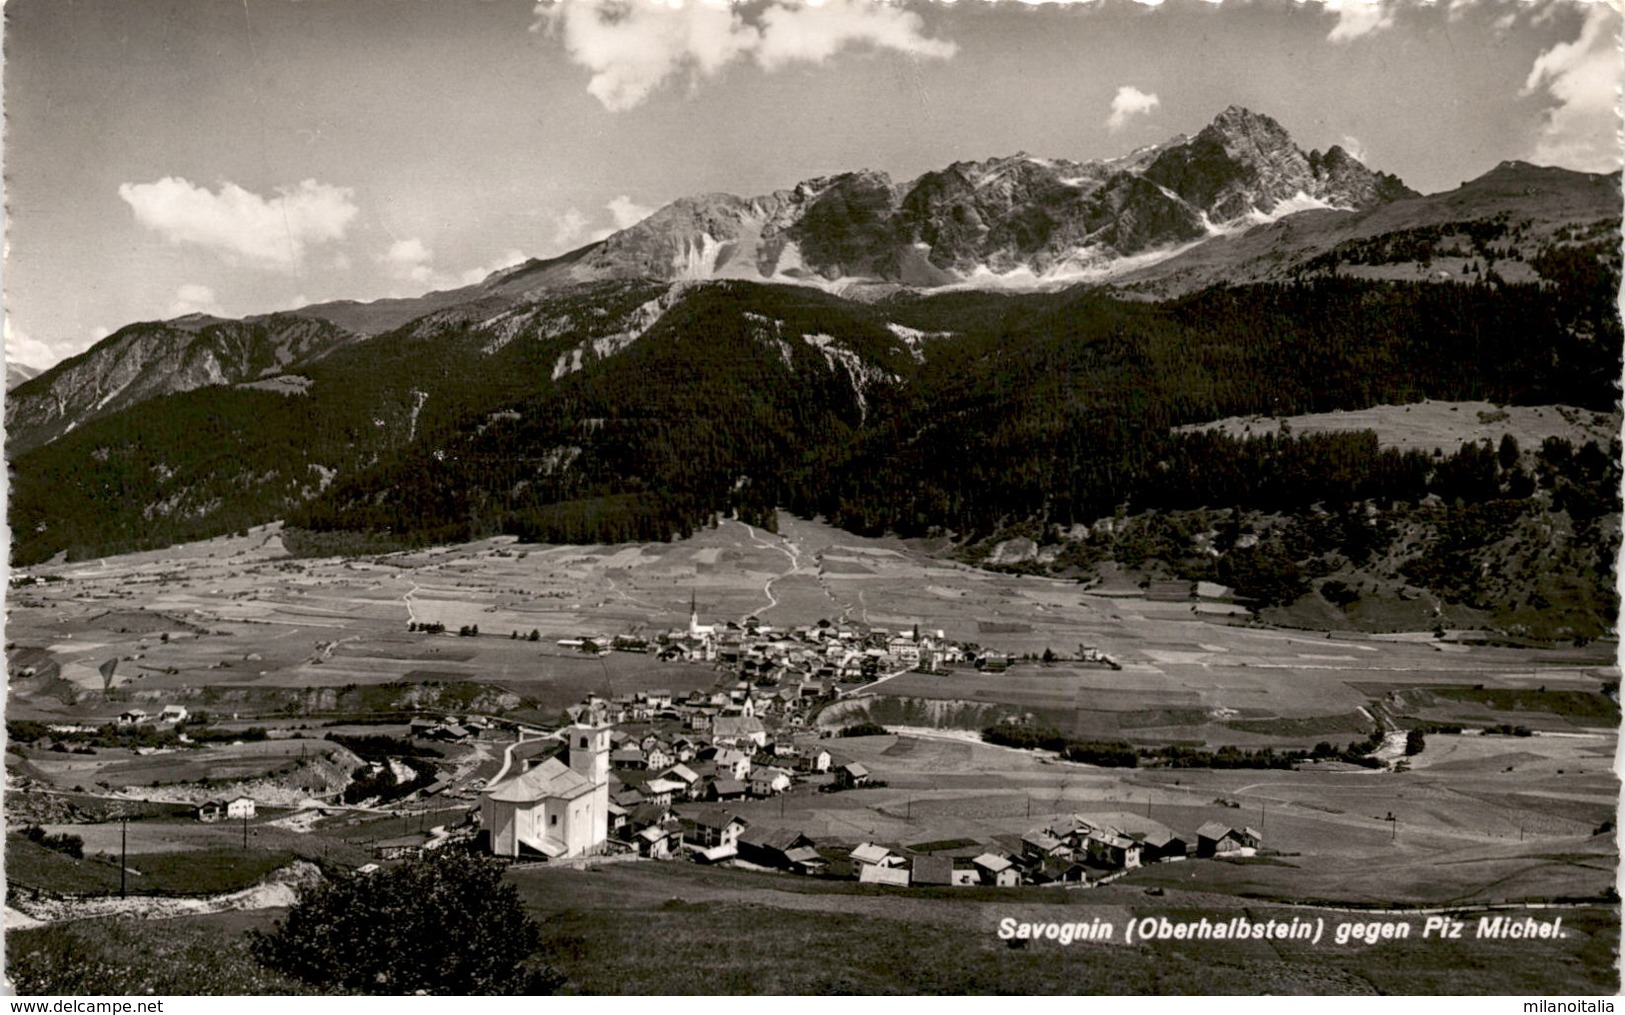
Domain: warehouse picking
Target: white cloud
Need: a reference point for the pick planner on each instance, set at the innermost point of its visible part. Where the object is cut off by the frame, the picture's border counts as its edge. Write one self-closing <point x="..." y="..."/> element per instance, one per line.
<point x="408" y="260"/>
<point x="1581" y="131"/>
<point x="1130" y="101"/>
<point x="507" y="260"/>
<point x="265" y="232"/>
<point x="192" y="298"/>
<point x="570" y="228"/>
<point x="813" y="33"/>
<point x="1358" y="18"/>
<point x="627" y="212"/>
<point x="1354" y="146"/>
<point x="633" y="46"/>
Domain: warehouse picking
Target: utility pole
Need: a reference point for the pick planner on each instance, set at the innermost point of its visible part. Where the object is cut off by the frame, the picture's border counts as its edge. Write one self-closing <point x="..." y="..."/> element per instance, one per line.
<point x="123" y="852"/>
<point x="245" y="831"/>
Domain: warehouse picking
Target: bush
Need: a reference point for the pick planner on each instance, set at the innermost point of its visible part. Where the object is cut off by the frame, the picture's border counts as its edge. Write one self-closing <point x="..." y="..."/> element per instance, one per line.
<point x="444" y="923"/>
<point x="865" y="729"/>
<point x="1415" y="742"/>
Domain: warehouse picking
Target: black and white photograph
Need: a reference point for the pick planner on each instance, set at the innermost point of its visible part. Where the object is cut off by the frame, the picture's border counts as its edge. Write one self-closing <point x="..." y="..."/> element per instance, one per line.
<point x="808" y="497"/>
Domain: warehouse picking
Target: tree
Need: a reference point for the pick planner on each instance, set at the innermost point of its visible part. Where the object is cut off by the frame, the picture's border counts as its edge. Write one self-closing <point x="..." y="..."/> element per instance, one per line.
<point x="445" y="923"/>
<point x="1415" y="742"/>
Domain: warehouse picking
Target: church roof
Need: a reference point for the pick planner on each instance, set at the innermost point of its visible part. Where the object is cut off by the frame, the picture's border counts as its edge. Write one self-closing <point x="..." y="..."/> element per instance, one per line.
<point x="552" y="778"/>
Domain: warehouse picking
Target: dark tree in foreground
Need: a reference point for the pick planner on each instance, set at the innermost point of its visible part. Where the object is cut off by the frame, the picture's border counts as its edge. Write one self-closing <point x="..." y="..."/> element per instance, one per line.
<point x="1415" y="742"/>
<point x="442" y="924"/>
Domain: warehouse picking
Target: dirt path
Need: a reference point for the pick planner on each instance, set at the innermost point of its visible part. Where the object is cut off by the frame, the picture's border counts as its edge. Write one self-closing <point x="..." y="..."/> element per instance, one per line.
<point x="791" y="552"/>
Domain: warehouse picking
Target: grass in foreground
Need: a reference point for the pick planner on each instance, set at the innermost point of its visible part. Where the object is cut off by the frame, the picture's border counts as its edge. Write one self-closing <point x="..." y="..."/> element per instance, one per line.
<point x="194" y="872"/>
<point x="123" y="955"/>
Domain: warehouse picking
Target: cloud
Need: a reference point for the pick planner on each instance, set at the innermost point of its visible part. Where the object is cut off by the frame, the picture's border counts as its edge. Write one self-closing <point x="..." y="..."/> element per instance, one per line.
<point x="264" y="232"/>
<point x="627" y="212"/>
<point x="1354" y="146"/>
<point x="571" y="227"/>
<point x="20" y="347"/>
<point x="1130" y="101"/>
<point x="633" y="46"/>
<point x="1357" y="18"/>
<point x="1581" y="131"/>
<point x="812" y="33"/>
<point x="507" y="260"/>
<point x="408" y="261"/>
<point x="192" y="298"/>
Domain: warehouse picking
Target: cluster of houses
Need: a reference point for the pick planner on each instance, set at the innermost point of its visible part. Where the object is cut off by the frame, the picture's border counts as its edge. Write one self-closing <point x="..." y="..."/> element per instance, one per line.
<point x="810" y="660"/>
<point x="1084" y="849"/>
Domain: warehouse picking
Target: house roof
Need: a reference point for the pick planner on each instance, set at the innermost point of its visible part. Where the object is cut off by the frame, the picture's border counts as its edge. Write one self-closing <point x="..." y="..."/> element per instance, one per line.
<point x="682" y="773"/>
<point x="855" y="769"/>
<point x="1213" y="830"/>
<point x="992" y="862"/>
<point x="933" y="870"/>
<point x="551" y="779"/>
<point x="647" y="814"/>
<point x="781" y="839"/>
<point x="725" y="784"/>
<point x="884" y="875"/>
<point x="1042" y="840"/>
<point x="737" y="726"/>
<point x="868" y="852"/>
<point x="716" y="817"/>
<point x="804" y="855"/>
<point x="664" y="785"/>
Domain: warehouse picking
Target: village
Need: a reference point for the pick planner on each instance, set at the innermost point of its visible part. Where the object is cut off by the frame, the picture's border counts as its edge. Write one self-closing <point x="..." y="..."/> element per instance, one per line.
<point x="652" y="775"/>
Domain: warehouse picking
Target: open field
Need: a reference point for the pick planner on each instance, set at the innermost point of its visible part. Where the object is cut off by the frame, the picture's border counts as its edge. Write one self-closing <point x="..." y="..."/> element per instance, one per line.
<point x="255" y="638"/>
<point x="676" y="928"/>
<point x="1426" y="425"/>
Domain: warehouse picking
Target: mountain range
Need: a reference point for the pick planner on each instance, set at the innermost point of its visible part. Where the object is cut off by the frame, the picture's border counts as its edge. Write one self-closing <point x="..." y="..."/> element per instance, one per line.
<point x="998" y="343"/>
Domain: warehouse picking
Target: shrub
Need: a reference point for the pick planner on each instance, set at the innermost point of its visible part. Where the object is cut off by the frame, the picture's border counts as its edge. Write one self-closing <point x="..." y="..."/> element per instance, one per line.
<point x="444" y="923"/>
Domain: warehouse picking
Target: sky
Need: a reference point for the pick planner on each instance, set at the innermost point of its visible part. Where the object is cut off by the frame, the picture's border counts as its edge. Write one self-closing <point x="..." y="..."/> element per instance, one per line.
<point x="235" y="157"/>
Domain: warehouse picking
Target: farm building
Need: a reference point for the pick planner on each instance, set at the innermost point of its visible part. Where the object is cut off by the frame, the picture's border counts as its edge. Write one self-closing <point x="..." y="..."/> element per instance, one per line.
<point x="553" y="809"/>
<point x="869" y="854"/>
<point x="931" y="871"/>
<point x="1162" y="847"/>
<point x="660" y="841"/>
<point x="771" y="847"/>
<point x="994" y="869"/>
<point x="240" y="808"/>
<point x="871" y="874"/>
<point x="1110" y="848"/>
<point x="211" y="811"/>
<point x="852" y="775"/>
<point x="713" y="827"/>
<point x="1218" y="839"/>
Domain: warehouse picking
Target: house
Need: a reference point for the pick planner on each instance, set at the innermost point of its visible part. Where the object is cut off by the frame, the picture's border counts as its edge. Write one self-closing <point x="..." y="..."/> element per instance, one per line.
<point x="662" y="791"/>
<point x="870" y="874"/>
<point x="133" y="717"/>
<point x="966" y="873"/>
<point x="630" y="758"/>
<point x="805" y="860"/>
<point x="771" y="847"/>
<point x="724" y="788"/>
<point x="713" y="827"/>
<point x="553" y="809"/>
<point x="681" y="773"/>
<point x="931" y="871"/>
<point x="657" y="842"/>
<point x="769" y="781"/>
<point x="1163" y="847"/>
<point x="739" y="729"/>
<point x="996" y="870"/>
<point x="869" y="854"/>
<point x="852" y="775"/>
<point x="211" y="811"/>
<point x="398" y="848"/>
<point x="173" y="714"/>
<point x="732" y="762"/>
<point x="1040" y="845"/>
<point x="240" y="809"/>
<point x="817" y="760"/>
<point x="1110" y="848"/>
<point x="1218" y="839"/>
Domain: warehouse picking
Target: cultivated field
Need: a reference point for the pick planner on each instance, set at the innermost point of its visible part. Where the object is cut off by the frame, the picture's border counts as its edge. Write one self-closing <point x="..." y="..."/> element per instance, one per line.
<point x="256" y="638"/>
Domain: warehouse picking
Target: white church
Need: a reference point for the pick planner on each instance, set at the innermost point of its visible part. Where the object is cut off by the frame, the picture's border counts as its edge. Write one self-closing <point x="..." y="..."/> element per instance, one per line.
<point x="550" y="808"/>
